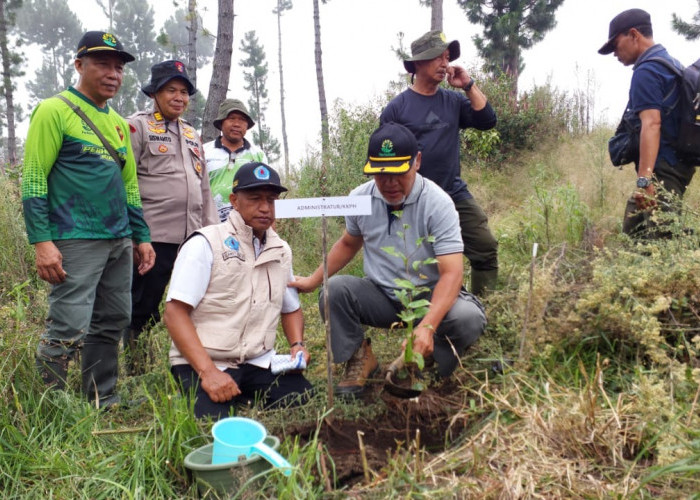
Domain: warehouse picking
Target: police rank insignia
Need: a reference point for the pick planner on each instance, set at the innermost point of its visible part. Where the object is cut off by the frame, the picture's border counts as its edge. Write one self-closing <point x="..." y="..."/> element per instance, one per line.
<point x="198" y="167"/>
<point x="188" y="132"/>
<point x="163" y="148"/>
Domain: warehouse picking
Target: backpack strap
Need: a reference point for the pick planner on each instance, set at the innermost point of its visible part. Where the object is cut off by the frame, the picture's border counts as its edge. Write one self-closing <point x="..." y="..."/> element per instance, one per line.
<point x="89" y="123"/>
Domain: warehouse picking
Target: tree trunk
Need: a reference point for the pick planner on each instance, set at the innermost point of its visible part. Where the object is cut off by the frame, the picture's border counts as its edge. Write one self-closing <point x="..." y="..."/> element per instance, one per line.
<point x="7" y="87"/>
<point x="284" y="118"/>
<point x="108" y="11"/>
<point x="325" y="133"/>
<point x="218" y="85"/>
<point x="511" y="67"/>
<point x="436" y="15"/>
<point x="192" y="51"/>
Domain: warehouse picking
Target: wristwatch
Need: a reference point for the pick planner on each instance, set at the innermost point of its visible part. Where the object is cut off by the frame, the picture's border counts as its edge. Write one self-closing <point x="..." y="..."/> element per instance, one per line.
<point x="298" y="342"/>
<point x="469" y="85"/>
<point x="643" y="182"/>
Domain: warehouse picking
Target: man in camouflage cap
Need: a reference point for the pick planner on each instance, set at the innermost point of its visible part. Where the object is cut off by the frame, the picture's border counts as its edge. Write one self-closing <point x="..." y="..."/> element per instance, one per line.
<point x="436" y="115"/>
<point x="229" y="151"/>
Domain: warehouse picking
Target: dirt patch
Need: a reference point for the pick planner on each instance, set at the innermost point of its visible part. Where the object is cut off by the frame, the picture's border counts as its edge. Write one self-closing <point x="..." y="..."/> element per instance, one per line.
<point x="395" y="428"/>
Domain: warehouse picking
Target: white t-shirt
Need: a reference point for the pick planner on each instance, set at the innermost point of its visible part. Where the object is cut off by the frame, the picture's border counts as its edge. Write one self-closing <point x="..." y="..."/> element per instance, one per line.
<point x="190" y="280"/>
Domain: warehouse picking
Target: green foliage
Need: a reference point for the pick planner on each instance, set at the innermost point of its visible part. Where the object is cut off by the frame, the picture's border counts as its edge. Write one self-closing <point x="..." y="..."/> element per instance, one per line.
<point x="607" y="385"/>
<point x="350" y="132"/>
<point x="56" y="35"/>
<point x="17" y="256"/>
<point x="408" y="293"/>
<point x="255" y="77"/>
<point x="174" y="37"/>
<point x="690" y="30"/>
<point x="509" y="27"/>
<point x="540" y="117"/>
<point x="134" y="22"/>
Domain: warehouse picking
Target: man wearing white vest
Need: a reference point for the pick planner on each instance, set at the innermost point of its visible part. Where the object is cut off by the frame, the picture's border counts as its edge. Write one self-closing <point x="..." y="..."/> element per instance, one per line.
<point x="227" y="294"/>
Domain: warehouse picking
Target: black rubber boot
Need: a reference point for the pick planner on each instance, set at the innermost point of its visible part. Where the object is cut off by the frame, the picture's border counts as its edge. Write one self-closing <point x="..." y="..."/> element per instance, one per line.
<point x="134" y="354"/>
<point x="483" y="282"/>
<point x="53" y="372"/>
<point x="100" y="365"/>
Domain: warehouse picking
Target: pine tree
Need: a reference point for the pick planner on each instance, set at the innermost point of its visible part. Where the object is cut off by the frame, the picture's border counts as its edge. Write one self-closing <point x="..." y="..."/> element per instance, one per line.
<point x="256" y="79"/>
<point x="57" y="34"/>
<point x="184" y="37"/>
<point x="509" y="27"/>
<point x="11" y="63"/>
<point x="134" y="24"/>
<point x="282" y="5"/>
<point x="691" y="31"/>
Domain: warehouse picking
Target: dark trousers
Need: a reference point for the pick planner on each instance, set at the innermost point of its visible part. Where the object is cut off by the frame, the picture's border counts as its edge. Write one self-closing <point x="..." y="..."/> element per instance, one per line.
<point x="92" y="304"/>
<point x="672" y="183"/>
<point x="147" y="290"/>
<point x="480" y="246"/>
<point x="256" y="385"/>
<point x="358" y="301"/>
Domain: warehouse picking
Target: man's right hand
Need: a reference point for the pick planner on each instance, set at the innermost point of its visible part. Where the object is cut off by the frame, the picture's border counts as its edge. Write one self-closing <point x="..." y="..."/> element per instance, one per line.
<point x="49" y="262"/>
<point x="304" y="284"/>
<point x="218" y="385"/>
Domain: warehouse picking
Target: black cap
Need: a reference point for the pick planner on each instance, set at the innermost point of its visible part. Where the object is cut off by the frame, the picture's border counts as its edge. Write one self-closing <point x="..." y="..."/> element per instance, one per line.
<point x="254" y="175"/>
<point x="99" y="41"/>
<point x="163" y="72"/>
<point x="391" y="149"/>
<point x="632" y="18"/>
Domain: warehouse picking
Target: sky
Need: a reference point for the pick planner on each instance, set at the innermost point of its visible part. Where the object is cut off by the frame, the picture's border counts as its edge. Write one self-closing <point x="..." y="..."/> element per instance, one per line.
<point x="358" y="60"/>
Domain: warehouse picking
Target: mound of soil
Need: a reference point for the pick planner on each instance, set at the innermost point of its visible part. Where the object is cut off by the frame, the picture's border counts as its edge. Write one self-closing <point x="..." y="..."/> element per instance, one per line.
<point x="396" y="427"/>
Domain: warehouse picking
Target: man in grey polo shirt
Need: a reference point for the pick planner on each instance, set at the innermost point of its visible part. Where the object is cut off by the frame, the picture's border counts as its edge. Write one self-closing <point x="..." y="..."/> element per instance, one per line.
<point x="455" y="318"/>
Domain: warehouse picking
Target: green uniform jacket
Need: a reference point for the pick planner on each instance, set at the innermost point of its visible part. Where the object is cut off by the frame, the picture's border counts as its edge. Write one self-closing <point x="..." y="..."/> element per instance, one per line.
<point x="71" y="186"/>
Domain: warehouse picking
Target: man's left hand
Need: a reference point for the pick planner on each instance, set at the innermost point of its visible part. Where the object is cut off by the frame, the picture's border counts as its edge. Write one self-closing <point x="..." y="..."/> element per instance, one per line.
<point x="457" y="76"/>
<point x="422" y="341"/>
<point x="645" y="198"/>
<point x="145" y="257"/>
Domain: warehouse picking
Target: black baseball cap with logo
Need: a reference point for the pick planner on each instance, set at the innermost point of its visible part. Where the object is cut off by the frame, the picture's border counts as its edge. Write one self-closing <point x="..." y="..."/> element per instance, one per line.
<point x="100" y="41"/>
<point x="391" y="150"/>
<point x="254" y="175"/>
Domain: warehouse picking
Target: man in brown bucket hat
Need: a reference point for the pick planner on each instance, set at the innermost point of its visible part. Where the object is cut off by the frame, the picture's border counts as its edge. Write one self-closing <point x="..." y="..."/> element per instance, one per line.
<point x="436" y="115"/>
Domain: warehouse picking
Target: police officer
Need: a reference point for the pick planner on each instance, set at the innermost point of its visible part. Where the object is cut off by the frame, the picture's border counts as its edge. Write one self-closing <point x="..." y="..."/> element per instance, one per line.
<point x="174" y="188"/>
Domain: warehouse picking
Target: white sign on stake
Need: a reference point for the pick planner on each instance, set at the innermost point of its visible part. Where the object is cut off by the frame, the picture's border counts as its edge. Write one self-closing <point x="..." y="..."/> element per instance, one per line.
<point x="331" y="206"/>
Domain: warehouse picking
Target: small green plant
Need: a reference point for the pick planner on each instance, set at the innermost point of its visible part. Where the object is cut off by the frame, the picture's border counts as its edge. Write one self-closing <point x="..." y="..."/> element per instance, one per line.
<point x="409" y="294"/>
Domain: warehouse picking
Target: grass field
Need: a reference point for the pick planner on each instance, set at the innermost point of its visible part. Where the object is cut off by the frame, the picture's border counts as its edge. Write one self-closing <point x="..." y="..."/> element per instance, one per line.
<point x="585" y="385"/>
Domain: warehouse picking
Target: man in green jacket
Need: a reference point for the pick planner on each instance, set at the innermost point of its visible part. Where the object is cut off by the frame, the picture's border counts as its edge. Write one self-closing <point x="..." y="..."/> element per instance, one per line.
<point x="83" y="211"/>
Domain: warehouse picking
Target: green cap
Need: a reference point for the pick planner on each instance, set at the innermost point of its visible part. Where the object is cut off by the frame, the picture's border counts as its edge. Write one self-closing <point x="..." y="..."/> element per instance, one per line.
<point x="229" y="106"/>
<point x="428" y="47"/>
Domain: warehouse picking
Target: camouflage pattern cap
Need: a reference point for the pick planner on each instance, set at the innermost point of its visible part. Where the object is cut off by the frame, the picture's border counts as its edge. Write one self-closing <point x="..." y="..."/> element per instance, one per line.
<point x="429" y="46"/>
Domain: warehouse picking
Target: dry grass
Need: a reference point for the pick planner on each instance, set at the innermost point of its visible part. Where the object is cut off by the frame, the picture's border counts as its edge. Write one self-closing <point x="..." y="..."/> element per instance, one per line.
<point x="532" y="440"/>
